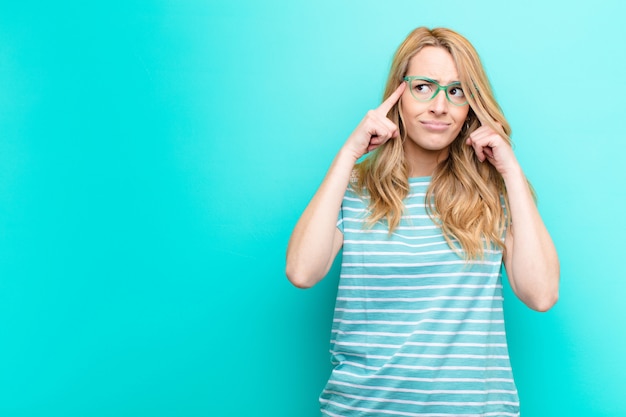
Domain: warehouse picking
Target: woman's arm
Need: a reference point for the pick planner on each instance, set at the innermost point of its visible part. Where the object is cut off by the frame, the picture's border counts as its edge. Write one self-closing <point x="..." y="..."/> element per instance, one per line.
<point x="531" y="261"/>
<point x="315" y="240"/>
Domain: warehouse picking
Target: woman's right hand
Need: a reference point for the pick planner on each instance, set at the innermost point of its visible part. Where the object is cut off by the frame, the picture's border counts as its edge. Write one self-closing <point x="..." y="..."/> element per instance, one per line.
<point x="375" y="129"/>
<point x="316" y="240"/>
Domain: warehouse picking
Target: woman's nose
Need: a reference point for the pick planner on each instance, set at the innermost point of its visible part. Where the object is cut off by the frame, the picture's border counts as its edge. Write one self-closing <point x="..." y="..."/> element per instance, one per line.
<point x="439" y="104"/>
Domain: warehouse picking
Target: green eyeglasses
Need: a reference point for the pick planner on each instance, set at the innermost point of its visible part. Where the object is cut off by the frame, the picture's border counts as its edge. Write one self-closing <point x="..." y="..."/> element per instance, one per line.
<point x="424" y="89"/>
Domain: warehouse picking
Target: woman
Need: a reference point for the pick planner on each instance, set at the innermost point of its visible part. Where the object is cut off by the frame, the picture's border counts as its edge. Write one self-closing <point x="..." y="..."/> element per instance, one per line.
<point x="426" y="221"/>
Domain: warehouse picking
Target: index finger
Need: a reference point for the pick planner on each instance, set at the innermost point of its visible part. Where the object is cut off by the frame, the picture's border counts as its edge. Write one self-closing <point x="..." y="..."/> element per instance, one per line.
<point x="392" y="99"/>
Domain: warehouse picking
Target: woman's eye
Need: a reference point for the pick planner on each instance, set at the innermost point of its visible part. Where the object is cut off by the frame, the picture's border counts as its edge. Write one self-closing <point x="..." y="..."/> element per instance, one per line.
<point x="423" y="87"/>
<point x="456" y="91"/>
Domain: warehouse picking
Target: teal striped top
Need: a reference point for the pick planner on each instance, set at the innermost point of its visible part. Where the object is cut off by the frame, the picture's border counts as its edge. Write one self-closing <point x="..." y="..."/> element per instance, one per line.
<point x="417" y="330"/>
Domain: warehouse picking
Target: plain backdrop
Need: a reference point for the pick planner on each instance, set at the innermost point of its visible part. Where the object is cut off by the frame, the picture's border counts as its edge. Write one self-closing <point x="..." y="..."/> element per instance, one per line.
<point x="155" y="155"/>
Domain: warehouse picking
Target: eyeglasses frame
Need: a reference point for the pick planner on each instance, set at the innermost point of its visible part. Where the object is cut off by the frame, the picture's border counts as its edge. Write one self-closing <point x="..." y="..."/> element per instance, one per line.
<point x="440" y="87"/>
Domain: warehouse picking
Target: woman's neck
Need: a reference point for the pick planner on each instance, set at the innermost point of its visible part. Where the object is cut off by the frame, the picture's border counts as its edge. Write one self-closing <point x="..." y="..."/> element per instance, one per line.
<point x="424" y="163"/>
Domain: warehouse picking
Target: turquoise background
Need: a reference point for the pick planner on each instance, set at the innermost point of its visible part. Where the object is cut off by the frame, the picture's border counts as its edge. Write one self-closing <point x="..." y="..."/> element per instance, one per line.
<point x="155" y="155"/>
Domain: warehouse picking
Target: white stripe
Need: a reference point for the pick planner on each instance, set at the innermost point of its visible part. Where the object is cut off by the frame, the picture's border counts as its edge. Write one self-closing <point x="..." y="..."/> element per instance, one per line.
<point x="416" y="216"/>
<point x="436" y="252"/>
<point x="354" y="209"/>
<point x="501" y="413"/>
<point x="427" y="368"/>
<point x="424" y="253"/>
<point x="421" y="264"/>
<point x="377" y="345"/>
<point x="415" y="355"/>
<point x="423" y="391"/>
<point x="359" y="355"/>
<point x="452" y="356"/>
<point x="386" y="242"/>
<point x="358" y="200"/>
<point x="412" y="228"/>
<point x="366" y="196"/>
<point x="410" y="300"/>
<point x="425" y="310"/>
<point x="367" y="211"/>
<point x="419" y="355"/>
<point x="358" y="365"/>
<point x="390" y="334"/>
<point x="457" y="344"/>
<point x="417" y="205"/>
<point x="365" y="220"/>
<point x="388" y="346"/>
<point x="415" y="379"/>
<point x="450" y="368"/>
<point x="329" y="413"/>
<point x="355" y="220"/>
<point x="400" y="413"/>
<point x="386" y="232"/>
<point x="415" y="323"/>
<point x="432" y="403"/>
<point x="438" y="275"/>
<point x="418" y="287"/>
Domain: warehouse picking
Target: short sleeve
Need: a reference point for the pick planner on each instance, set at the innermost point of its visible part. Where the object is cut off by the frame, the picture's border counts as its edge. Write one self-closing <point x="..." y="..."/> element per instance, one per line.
<point x="340" y="218"/>
<point x="506" y="215"/>
<point x="354" y="179"/>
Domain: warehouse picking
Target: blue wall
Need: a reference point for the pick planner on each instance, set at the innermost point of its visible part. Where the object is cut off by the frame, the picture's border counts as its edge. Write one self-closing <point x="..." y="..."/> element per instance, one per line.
<point x="154" y="157"/>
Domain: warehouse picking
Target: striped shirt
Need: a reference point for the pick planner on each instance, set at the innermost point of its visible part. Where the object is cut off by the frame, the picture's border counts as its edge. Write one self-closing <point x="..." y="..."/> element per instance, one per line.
<point x="417" y="330"/>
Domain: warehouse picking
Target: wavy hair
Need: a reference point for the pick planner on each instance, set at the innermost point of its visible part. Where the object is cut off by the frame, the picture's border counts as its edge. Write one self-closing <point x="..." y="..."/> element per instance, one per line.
<point x="465" y="196"/>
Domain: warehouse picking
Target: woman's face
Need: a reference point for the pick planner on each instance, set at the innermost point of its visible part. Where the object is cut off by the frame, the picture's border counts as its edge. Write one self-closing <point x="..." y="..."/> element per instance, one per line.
<point x="433" y="125"/>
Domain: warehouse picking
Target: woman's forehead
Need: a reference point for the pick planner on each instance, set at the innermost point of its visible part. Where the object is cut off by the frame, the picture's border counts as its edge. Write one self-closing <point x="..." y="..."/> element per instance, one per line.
<point x="435" y="63"/>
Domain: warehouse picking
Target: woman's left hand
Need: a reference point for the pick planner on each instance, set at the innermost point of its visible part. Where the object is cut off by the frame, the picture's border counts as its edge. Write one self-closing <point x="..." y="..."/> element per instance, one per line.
<point x="490" y="146"/>
<point x="531" y="262"/>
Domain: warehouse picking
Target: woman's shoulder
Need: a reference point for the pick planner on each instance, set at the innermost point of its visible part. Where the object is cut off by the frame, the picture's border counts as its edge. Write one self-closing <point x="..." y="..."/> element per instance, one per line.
<point x="354" y="177"/>
<point x="356" y="189"/>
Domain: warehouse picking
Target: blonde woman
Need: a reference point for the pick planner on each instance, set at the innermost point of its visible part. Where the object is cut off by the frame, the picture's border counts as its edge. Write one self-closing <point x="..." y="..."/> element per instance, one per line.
<point x="426" y="221"/>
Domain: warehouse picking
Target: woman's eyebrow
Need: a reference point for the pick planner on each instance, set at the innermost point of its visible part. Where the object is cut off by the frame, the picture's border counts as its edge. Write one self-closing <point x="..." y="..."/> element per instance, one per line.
<point x="439" y="82"/>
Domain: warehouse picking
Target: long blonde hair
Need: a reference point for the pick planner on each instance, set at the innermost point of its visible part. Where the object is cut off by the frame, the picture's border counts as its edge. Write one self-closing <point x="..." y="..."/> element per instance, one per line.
<point x="465" y="196"/>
